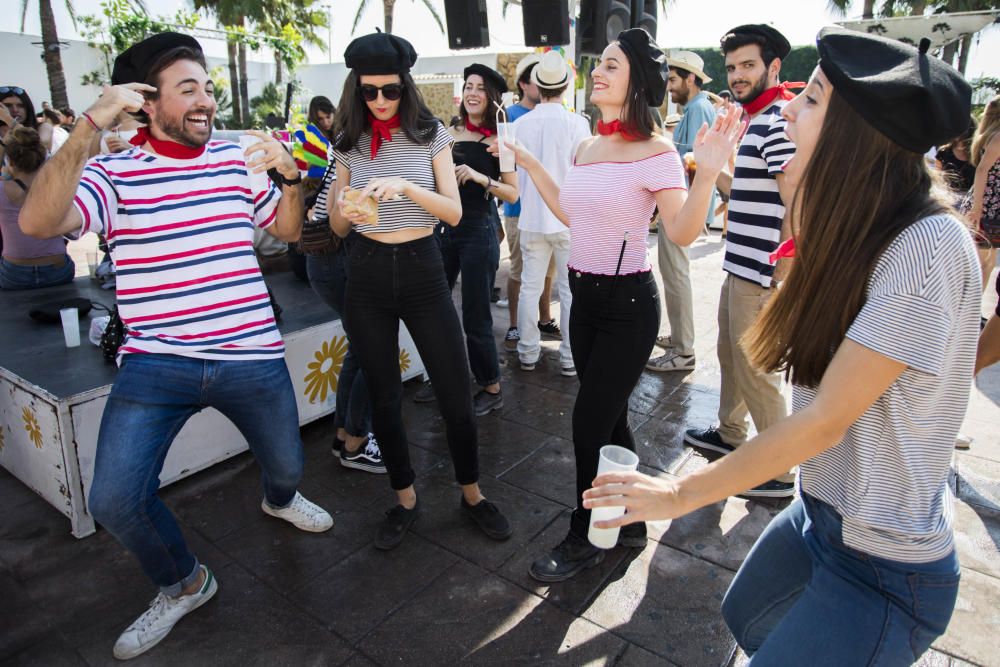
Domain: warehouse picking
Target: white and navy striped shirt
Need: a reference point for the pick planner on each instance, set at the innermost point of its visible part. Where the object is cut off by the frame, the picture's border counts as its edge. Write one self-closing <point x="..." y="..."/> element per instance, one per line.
<point x="399" y="157"/>
<point x="319" y="208"/>
<point x="755" y="206"/>
<point x="888" y="476"/>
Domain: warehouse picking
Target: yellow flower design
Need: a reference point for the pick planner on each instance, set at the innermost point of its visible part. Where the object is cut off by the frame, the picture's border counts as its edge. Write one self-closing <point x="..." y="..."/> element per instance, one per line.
<point x="32" y="427"/>
<point x="404" y="361"/>
<point x="324" y="371"/>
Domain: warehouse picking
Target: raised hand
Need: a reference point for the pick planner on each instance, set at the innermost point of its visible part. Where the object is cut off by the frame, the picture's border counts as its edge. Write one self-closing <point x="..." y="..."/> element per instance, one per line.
<point x="269" y="153"/>
<point x="115" y="99"/>
<point x="714" y="145"/>
<point x="522" y="156"/>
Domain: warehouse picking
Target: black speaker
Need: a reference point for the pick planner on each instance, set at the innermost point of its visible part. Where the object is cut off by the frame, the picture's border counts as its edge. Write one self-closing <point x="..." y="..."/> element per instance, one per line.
<point x="600" y="22"/>
<point x="644" y="16"/>
<point x="468" y="27"/>
<point x="546" y="22"/>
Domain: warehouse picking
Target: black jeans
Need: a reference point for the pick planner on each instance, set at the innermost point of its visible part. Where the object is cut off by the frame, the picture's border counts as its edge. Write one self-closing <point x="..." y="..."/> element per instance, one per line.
<point x="612" y="328"/>
<point x="473" y="248"/>
<point x="406" y="281"/>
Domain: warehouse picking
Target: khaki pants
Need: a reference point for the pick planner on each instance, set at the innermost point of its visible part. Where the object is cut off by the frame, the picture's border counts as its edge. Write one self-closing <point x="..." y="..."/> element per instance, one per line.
<point x="744" y="388"/>
<point x="675" y="269"/>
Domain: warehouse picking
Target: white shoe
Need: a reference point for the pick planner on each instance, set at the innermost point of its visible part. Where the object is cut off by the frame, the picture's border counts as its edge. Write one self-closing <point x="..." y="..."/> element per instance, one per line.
<point x="302" y="514"/>
<point x="671" y="361"/>
<point x="156" y="622"/>
<point x="666" y="342"/>
<point x="963" y="442"/>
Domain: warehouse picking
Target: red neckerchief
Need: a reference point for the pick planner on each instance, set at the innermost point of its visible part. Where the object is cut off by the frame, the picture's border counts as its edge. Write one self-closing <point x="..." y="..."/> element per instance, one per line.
<point x="785" y="249"/>
<point x="382" y="131"/>
<point x="765" y="98"/>
<point x="486" y="132"/>
<point x="607" y="129"/>
<point x="165" y="148"/>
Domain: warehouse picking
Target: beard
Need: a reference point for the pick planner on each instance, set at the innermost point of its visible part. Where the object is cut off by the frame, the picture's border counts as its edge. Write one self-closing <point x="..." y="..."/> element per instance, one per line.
<point x="681" y="95"/>
<point x="756" y="89"/>
<point x="175" y="129"/>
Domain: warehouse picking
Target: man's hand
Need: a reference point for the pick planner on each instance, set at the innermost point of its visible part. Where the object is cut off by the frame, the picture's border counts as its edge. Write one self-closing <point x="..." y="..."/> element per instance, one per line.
<point x="116" y="144"/>
<point x="269" y="153"/>
<point x="115" y="99"/>
<point x="6" y="118"/>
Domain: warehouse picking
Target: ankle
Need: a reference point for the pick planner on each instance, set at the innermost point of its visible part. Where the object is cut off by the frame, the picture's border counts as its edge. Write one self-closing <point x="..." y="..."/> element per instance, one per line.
<point x="353" y="442"/>
<point x="196" y="585"/>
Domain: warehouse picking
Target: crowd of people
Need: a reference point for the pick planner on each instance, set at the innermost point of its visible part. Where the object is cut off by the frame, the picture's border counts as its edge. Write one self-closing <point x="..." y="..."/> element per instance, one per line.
<point x="861" y="286"/>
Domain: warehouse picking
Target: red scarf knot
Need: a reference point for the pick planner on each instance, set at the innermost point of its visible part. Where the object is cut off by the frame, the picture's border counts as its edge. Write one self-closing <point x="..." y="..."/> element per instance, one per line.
<point x="486" y="132"/>
<point x="782" y="90"/>
<point x="164" y="147"/>
<point x="785" y="249"/>
<point x="607" y="129"/>
<point x="382" y="131"/>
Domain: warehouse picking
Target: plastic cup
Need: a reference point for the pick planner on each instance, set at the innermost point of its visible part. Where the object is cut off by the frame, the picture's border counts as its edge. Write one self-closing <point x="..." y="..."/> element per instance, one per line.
<point x="258" y="182"/>
<point x="92" y="264"/>
<point x="505" y="133"/>
<point x="71" y="326"/>
<point x="613" y="459"/>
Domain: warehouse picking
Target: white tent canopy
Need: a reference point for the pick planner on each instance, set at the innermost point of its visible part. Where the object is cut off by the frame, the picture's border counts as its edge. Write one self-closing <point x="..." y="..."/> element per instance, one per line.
<point x="941" y="29"/>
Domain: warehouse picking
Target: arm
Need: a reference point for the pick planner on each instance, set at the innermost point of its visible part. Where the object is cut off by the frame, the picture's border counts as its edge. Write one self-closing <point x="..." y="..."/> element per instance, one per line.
<point x="339" y="221"/>
<point x="444" y="204"/>
<point x="505" y="188"/>
<point x="988" y="352"/>
<point x="855" y="379"/>
<point x="270" y="154"/>
<point x="724" y="182"/>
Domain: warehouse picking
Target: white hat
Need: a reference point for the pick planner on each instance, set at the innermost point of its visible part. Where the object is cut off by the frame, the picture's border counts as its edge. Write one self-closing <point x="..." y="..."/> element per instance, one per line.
<point x="551" y="71"/>
<point x="689" y="61"/>
<point x="525" y="63"/>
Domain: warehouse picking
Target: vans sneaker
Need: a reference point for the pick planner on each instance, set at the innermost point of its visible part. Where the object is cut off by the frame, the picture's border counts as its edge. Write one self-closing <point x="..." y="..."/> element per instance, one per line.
<point x="367" y="458"/>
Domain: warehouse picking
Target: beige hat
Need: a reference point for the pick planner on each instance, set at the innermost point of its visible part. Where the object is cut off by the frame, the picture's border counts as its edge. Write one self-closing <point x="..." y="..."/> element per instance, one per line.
<point x="551" y="72"/>
<point x="672" y="120"/>
<point x="690" y="61"/>
<point x="525" y="63"/>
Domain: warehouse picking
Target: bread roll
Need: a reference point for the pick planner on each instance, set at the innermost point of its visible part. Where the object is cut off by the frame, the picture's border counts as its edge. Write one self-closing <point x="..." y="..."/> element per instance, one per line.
<point x="354" y="202"/>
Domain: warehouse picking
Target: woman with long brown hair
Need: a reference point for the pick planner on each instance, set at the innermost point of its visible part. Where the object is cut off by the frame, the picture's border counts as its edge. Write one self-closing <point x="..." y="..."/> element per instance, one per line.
<point x="876" y="326"/>
<point x="984" y="213"/>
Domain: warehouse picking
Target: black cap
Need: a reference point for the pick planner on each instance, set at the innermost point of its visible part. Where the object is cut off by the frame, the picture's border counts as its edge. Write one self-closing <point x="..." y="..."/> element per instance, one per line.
<point x="488" y="74"/>
<point x="380" y="53"/>
<point x="132" y="65"/>
<point x="643" y="53"/>
<point x="913" y="98"/>
<point x="777" y="41"/>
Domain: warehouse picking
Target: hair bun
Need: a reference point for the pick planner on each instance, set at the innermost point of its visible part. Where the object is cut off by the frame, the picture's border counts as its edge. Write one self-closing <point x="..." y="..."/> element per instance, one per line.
<point x="24" y="136"/>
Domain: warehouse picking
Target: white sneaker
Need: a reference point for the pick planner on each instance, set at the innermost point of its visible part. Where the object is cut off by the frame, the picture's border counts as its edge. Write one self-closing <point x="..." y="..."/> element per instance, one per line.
<point x="302" y="514"/>
<point x="156" y="622"/>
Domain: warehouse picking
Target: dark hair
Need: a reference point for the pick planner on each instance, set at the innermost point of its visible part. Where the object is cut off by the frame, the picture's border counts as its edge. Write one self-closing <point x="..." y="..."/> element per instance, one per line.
<point x="165" y="60"/>
<point x="417" y="121"/>
<point x="553" y="92"/>
<point x="637" y="116"/>
<point x="25" y="150"/>
<point x="320" y="103"/>
<point x="724" y="94"/>
<point x="52" y="115"/>
<point x="30" y="117"/>
<point x="493" y="94"/>
<point x="734" y="41"/>
<point x="839" y="242"/>
<point x="66" y="111"/>
<point x="683" y="73"/>
<point x="525" y="77"/>
<point x="964" y="140"/>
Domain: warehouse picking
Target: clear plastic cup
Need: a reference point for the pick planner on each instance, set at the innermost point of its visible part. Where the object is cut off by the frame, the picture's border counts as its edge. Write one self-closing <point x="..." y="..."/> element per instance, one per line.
<point x="71" y="326"/>
<point x="258" y="182"/>
<point x="505" y="133"/>
<point x="613" y="459"/>
<point x="92" y="264"/>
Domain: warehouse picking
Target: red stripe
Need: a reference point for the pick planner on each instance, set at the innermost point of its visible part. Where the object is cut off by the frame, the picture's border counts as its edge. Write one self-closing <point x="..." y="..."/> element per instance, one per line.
<point x="102" y="195"/>
<point x="270" y="218"/>
<point x="203" y="309"/>
<point x="182" y="255"/>
<point x="174" y="170"/>
<point x="86" y="214"/>
<point x="220" y="332"/>
<point x="183" y="195"/>
<point x="279" y="343"/>
<point x="188" y="283"/>
<point x="186" y="223"/>
<point x="315" y="150"/>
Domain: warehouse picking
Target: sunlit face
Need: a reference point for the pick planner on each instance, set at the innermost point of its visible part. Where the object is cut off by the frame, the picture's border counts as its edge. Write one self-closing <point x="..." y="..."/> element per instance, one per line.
<point x="805" y="115"/>
<point x="185" y="107"/>
<point x="324" y="120"/>
<point x="474" y="97"/>
<point x="679" y="89"/>
<point x="380" y="107"/>
<point x="610" y="77"/>
<point x="15" y="106"/>
<point x="747" y="75"/>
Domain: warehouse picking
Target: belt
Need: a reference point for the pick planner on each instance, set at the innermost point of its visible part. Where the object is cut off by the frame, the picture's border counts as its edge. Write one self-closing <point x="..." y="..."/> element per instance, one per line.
<point x="57" y="261"/>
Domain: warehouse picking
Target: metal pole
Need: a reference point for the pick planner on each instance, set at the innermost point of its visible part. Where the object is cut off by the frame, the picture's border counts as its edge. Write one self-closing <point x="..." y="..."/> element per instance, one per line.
<point x="329" y="34"/>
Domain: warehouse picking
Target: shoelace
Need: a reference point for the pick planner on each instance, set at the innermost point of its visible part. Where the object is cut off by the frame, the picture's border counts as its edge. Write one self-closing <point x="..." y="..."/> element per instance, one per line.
<point x="156" y="609"/>
<point x="372" y="450"/>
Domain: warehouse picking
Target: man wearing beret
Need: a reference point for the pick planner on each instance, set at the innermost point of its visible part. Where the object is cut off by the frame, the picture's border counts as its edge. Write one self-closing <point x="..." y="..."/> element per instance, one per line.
<point x="758" y="194"/>
<point x="179" y="212"/>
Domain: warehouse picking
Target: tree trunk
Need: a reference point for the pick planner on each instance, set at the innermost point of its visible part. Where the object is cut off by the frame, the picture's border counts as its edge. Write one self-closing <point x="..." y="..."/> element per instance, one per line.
<point x="869" y="10"/>
<point x="387" y="7"/>
<point x="52" y="56"/>
<point x="948" y="54"/>
<point x="963" y="53"/>
<point x="917" y="7"/>
<point x="234" y="82"/>
<point x="244" y="94"/>
<point x="277" y="69"/>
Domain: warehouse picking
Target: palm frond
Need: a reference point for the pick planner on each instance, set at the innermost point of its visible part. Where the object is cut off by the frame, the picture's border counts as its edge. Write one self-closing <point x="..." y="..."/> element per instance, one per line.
<point x="71" y="12"/>
<point x="357" y="17"/>
<point x="24" y="13"/>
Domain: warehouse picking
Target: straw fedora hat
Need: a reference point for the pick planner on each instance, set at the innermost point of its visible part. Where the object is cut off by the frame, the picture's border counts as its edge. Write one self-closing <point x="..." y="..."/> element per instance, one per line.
<point x="690" y="61"/>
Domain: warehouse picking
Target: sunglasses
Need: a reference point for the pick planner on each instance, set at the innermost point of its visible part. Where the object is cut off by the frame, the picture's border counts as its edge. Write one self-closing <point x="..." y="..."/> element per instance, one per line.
<point x="4" y="90"/>
<point x="390" y="91"/>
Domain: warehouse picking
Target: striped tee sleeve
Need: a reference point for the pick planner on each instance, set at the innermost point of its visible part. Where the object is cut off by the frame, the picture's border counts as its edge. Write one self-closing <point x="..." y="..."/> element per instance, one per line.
<point x="96" y="198"/>
<point x="265" y="205"/>
<point x="319" y="208"/>
<point x="442" y="140"/>
<point x="776" y="148"/>
<point x="661" y="172"/>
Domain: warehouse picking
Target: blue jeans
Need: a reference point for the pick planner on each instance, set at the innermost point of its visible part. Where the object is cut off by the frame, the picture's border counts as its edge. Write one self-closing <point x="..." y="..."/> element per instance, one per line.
<point x="152" y="397"/>
<point x="473" y="249"/>
<point x="803" y="597"/>
<point x="15" y="276"/>
<point x="328" y="277"/>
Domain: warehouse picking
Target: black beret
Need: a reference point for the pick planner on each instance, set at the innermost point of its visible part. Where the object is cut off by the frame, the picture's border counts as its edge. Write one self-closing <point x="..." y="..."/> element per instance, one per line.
<point x="913" y="98"/>
<point x="765" y="32"/>
<point x="643" y="53"/>
<point x="380" y="53"/>
<point x="132" y="65"/>
<point x="488" y="74"/>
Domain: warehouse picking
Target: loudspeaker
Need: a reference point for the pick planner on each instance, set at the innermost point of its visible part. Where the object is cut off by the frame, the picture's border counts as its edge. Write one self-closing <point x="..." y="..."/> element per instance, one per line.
<point x="546" y="22"/>
<point x="600" y="22"/>
<point x="468" y="26"/>
<point x="644" y="16"/>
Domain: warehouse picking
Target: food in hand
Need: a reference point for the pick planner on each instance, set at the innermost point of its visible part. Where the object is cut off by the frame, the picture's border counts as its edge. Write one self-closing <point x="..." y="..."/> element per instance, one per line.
<point x="690" y="165"/>
<point x="355" y="202"/>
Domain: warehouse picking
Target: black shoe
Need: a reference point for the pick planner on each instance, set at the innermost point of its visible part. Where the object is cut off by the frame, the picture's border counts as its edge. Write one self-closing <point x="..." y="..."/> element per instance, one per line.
<point x="550" y="329"/>
<point x="393" y="529"/>
<point x="425" y="394"/>
<point x="338" y="444"/>
<point x="707" y="439"/>
<point x="484" y="402"/>
<point x="632" y="536"/>
<point x="772" y="489"/>
<point x="573" y="555"/>
<point x="488" y="517"/>
<point x="494" y="295"/>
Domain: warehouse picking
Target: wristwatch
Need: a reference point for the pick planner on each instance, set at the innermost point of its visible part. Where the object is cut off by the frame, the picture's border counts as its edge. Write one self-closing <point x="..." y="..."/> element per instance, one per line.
<point x="281" y="180"/>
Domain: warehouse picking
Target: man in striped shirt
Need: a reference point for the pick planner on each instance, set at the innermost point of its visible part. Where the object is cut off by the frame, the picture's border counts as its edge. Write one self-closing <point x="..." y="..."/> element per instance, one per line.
<point x="758" y="194"/>
<point x="179" y="212"/>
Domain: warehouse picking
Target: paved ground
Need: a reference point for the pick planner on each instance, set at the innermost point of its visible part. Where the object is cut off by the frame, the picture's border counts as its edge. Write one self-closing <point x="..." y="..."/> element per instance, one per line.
<point x="449" y="594"/>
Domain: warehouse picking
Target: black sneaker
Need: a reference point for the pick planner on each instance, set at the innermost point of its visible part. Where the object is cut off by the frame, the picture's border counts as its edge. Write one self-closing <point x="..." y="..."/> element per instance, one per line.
<point x="632" y="536"/>
<point x="494" y="295"/>
<point x="338" y="444"/>
<point x="488" y="517"/>
<point x="772" y="489"/>
<point x="550" y="329"/>
<point x="425" y="394"/>
<point x="367" y="458"/>
<point x="484" y="402"/>
<point x="573" y="555"/>
<point x="510" y="340"/>
<point x="393" y="529"/>
<point x="707" y="439"/>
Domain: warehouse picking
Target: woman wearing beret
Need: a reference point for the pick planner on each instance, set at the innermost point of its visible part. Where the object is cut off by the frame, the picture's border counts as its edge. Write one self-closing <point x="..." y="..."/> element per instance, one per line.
<point x="607" y="200"/>
<point x="876" y="326"/>
<point x="472" y="247"/>
<point x="392" y="149"/>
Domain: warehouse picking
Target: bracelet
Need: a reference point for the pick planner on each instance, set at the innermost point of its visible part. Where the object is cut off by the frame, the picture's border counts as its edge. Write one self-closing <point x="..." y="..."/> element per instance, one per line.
<point x="91" y="121"/>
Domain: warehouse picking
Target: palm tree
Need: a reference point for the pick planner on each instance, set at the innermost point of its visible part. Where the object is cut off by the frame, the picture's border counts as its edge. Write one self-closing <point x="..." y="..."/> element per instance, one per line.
<point x="841" y="6"/>
<point x="299" y="15"/>
<point x="233" y="15"/>
<point x="50" y="49"/>
<point x="388" y="6"/>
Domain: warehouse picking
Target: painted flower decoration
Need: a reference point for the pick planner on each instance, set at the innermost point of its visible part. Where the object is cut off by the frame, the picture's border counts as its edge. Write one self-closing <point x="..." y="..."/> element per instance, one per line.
<point x="32" y="427"/>
<point x="321" y="379"/>
<point x="404" y="361"/>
